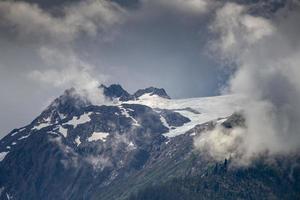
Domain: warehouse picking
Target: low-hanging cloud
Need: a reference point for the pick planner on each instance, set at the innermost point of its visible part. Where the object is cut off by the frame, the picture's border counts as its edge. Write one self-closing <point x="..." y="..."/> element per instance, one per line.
<point x="74" y="73"/>
<point x="266" y="54"/>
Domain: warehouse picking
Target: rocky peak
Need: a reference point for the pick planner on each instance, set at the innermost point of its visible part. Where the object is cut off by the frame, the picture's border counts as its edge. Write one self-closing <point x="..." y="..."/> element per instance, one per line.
<point x="68" y="104"/>
<point x="116" y="91"/>
<point x="152" y="91"/>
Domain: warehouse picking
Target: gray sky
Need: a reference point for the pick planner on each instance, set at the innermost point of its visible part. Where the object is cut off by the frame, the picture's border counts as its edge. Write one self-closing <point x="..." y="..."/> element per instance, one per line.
<point x="47" y="46"/>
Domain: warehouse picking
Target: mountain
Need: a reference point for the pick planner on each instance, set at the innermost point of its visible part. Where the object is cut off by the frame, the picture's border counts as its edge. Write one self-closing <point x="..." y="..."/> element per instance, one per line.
<point x="137" y="146"/>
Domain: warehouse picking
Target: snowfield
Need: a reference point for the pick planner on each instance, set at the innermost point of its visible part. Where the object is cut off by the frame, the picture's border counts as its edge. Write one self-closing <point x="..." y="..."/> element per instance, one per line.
<point x="198" y="110"/>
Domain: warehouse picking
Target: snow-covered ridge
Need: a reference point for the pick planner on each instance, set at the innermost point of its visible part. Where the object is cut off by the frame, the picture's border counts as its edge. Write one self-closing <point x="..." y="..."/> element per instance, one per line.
<point x="198" y="110"/>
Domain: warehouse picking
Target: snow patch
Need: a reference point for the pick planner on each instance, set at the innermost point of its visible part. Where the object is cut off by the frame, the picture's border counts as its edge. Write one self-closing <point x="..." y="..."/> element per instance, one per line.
<point x="14" y="133"/>
<point x="98" y="136"/>
<point x="193" y="134"/>
<point x="17" y="131"/>
<point x="126" y="114"/>
<point x="61" y="116"/>
<point x="164" y="122"/>
<point x="63" y="131"/>
<point x="77" y="140"/>
<point x="43" y="124"/>
<point x="75" y="121"/>
<point x="24" y="137"/>
<point x="21" y="129"/>
<point x="9" y="197"/>
<point x="40" y="126"/>
<point x="2" y="155"/>
<point x="130" y="109"/>
<point x="51" y="132"/>
<point x="131" y="145"/>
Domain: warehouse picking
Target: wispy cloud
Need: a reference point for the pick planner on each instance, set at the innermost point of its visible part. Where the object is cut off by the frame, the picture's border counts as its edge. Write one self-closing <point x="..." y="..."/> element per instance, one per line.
<point x="73" y="72"/>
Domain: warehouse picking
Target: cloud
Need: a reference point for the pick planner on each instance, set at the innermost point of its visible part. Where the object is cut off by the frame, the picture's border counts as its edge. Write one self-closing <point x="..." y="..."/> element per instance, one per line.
<point x="266" y="53"/>
<point x="71" y="159"/>
<point x="73" y="72"/>
<point x="89" y="17"/>
<point x="99" y="162"/>
<point x="220" y="143"/>
<point x="237" y="30"/>
<point x="54" y="37"/>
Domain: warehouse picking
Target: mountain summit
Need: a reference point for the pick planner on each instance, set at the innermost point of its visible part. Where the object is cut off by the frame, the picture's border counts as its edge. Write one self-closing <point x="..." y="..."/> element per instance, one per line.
<point x="115" y="91"/>
<point x="151" y="91"/>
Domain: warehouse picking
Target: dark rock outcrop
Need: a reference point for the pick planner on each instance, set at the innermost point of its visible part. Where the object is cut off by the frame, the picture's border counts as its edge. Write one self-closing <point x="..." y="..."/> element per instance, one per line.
<point x="152" y="91"/>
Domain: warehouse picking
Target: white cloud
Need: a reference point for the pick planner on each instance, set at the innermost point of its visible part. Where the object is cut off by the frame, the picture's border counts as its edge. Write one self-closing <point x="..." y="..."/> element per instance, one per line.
<point x="220" y="143"/>
<point x="73" y="73"/>
<point x="99" y="162"/>
<point x="55" y="36"/>
<point x="267" y="55"/>
<point x="237" y="29"/>
<point x="88" y="17"/>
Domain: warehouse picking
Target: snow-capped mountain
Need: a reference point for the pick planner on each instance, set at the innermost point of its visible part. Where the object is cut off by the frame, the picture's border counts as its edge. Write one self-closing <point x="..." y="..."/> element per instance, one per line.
<point x="76" y="150"/>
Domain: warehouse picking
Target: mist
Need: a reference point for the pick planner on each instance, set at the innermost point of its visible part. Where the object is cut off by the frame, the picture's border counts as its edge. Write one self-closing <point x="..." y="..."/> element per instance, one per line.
<point x="265" y="53"/>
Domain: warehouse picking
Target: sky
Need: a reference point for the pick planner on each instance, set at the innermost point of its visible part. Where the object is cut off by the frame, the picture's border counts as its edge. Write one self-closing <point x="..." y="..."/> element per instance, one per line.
<point x="47" y="46"/>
